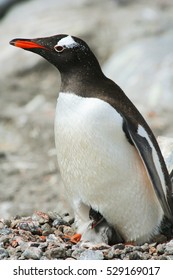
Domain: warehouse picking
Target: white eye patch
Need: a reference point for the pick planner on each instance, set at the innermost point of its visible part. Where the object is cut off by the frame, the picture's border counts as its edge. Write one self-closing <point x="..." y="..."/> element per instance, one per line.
<point x="67" y="42"/>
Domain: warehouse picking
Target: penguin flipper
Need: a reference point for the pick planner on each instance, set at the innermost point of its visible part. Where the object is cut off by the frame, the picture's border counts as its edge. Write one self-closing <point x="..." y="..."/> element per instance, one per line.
<point x="145" y="150"/>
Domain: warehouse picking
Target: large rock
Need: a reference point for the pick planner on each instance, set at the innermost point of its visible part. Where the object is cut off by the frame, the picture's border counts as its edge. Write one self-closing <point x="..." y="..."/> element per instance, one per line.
<point x="38" y="18"/>
<point x="104" y="24"/>
<point x="144" y="70"/>
<point x="166" y="146"/>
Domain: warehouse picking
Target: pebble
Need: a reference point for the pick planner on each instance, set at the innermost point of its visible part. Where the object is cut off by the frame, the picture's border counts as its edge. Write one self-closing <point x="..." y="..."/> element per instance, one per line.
<point x="46" y="229"/>
<point x="5" y="231"/>
<point x="160" y="249"/>
<point x="33" y="253"/>
<point x="91" y="255"/>
<point x="119" y="246"/>
<point x="169" y="248"/>
<point x="77" y="252"/>
<point x="4" y="239"/>
<point x="59" y="221"/>
<point x="51" y="238"/>
<point x="136" y="256"/>
<point x="56" y="253"/>
<point x="145" y="247"/>
<point x="67" y="230"/>
<point x="40" y="217"/>
<point x="4" y="222"/>
<point x="3" y="254"/>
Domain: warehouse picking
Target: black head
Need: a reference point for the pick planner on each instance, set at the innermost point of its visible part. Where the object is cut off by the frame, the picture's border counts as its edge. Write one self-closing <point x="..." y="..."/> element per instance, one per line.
<point x="65" y="52"/>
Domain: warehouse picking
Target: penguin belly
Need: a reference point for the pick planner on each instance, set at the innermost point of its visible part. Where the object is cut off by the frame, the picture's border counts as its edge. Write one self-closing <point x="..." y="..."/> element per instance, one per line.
<point x="102" y="170"/>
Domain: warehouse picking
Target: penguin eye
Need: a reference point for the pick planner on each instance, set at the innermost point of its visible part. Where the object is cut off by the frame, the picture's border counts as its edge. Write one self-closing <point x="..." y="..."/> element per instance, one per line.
<point x="59" y="48"/>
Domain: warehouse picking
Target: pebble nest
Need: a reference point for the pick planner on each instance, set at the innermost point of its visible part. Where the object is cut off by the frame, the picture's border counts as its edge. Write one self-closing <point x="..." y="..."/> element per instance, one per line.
<point x="41" y="237"/>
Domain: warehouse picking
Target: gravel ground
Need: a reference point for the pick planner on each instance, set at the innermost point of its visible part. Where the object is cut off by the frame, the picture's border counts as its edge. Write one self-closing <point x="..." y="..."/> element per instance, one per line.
<point x="41" y="237"/>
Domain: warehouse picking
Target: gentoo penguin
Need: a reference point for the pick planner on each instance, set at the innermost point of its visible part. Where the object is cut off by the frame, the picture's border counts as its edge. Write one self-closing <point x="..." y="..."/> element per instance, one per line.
<point x="108" y="156"/>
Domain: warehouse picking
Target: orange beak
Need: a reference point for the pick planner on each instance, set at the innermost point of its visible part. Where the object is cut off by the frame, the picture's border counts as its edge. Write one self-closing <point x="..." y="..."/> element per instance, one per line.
<point x="25" y="44"/>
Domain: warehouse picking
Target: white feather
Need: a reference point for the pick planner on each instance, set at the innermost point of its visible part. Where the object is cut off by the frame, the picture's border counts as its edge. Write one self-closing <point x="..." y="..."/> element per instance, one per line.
<point x="101" y="169"/>
<point x="67" y="42"/>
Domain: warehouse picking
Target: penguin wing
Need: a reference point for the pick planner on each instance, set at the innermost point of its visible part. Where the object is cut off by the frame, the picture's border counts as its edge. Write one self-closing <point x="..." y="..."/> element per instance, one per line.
<point x="141" y="140"/>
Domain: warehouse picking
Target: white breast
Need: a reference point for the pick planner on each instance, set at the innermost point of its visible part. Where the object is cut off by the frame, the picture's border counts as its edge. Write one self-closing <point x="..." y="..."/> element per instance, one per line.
<point x="101" y="169"/>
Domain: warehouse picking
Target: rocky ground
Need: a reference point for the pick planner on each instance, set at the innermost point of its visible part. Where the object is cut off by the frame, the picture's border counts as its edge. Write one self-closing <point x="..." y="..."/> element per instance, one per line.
<point x="133" y="41"/>
<point x="41" y="237"/>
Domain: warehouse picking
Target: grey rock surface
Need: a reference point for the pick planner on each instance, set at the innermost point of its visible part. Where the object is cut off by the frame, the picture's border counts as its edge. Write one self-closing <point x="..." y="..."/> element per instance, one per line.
<point x="143" y="70"/>
<point x="166" y="146"/>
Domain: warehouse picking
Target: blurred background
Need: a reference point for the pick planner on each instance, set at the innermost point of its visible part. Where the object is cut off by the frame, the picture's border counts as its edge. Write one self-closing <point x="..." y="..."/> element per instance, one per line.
<point x="133" y="40"/>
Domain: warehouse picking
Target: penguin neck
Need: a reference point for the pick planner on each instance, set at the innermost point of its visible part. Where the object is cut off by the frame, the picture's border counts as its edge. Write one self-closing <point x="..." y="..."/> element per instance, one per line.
<point x="80" y="81"/>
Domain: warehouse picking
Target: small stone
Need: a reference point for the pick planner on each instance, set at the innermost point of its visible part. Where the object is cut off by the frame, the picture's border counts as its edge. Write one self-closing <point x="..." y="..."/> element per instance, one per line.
<point x="117" y="253"/>
<point x="4" y="223"/>
<point x="58" y="232"/>
<point x="152" y="250"/>
<point x="24" y="245"/>
<point x="46" y="229"/>
<point x="56" y="253"/>
<point x="35" y="244"/>
<point x="4" y="239"/>
<point x="169" y="257"/>
<point x="69" y="253"/>
<point x="120" y="246"/>
<point x="135" y="256"/>
<point x="43" y="246"/>
<point x="67" y="230"/>
<point x="31" y="227"/>
<point x="145" y="247"/>
<point x="24" y="226"/>
<point x="5" y="231"/>
<point x="128" y="249"/>
<point x="169" y="247"/>
<point x="7" y="222"/>
<point x="14" y="251"/>
<point x="160" y="249"/>
<point x="164" y="258"/>
<point x="3" y="254"/>
<point x="100" y="246"/>
<point x="36" y="230"/>
<point x="42" y="238"/>
<point x="14" y="243"/>
<point x="91" y="255"/>
<point x="109" y="255"/>
<point x="51" y="238"/>
<point x="123" y="256"/>
<point x="33" y="253"/>
<point x="59" y="221"/>
<point x="14" y="223"/>
<point x="77" y="252"/>
<point x="40" y="217"/>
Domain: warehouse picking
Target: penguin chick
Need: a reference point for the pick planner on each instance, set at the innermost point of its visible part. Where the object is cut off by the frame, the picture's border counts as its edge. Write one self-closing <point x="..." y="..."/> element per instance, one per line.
<point x="109" y="234"/>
